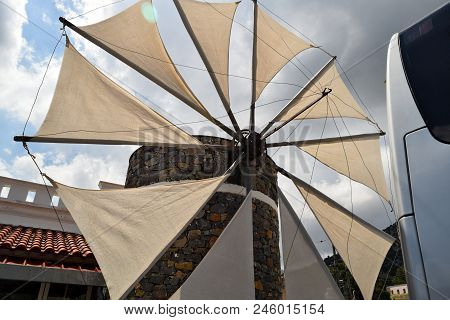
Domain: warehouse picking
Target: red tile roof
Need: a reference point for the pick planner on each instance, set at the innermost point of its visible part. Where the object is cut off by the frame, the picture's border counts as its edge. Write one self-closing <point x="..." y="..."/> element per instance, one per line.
<point x="44" y="241"/>
<point x="41" y="247"/>
<point x="44" y="264"/>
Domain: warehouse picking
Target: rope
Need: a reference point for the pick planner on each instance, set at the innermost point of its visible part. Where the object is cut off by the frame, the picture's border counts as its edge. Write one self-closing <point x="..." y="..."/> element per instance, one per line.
<point x="357" y="94"/>
<point x="307" y="192"/>
<point x="251" y="31"/>
<point x="387" y="274"/>
<point x="351" y="189"/>
<point x="192" y="67"/>
<point x="367" y="56"/>
<point x="295" y="55"/>
<point x="157" y="128"/>
<point x="92" y="10"/>
<point x="33" y="158"/>
<point x="364" y="163"/>
<point x="42" y="82"/>
<point x="152" y="103"/>
<point x="368" y="247"/>
<point x="28" y="20"/>
<point x="25" y="146"/>
<point x="290" y="25"/>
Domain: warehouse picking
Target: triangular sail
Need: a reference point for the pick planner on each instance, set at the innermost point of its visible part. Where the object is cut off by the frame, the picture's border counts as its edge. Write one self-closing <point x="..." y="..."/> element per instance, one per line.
<point x="129" y="229"/>
<point x="210" y="26"/>
<point x="226" y="272"/>
<point x="358" y="158"/>
<point x="362" y="246"/>
<point x="134" y="35"/>
<point x="306" y="275"/>
<point x="340" y="101"/>
<point x="275" y="47"/>
<point x="89" y="108"/>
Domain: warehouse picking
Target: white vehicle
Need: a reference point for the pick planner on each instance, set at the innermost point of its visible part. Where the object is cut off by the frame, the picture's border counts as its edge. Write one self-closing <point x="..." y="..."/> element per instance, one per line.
<point x="418" y="105"/>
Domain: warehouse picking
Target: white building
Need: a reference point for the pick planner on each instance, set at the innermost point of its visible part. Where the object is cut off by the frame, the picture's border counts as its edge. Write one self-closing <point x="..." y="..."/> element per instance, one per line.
<point x="42" y="254"/>
<point x="398" y="292"/>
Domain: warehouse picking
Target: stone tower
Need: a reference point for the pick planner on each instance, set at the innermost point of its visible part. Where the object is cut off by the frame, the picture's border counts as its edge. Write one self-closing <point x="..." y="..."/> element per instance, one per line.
<point x="149" y="165"/>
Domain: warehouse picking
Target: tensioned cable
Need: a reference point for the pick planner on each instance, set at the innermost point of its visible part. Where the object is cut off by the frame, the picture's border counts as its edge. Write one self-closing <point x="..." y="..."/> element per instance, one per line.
<point x="365" y="245"/>
<point x="251" y="31"/>
<point x="130" y="214"/>
<point x="152" y="103"/>
<point x="357" y="94"/>
<point x="33" y="158"/>
<point x="67" y="255"/>
<point x="192" y="67"/>
<point x="292" y="132"/>
<point x="364" y="163"/>
<point x="307" y="192"/>
<point x="367" y="56"/>
<point x="179" y="65"/>
<point x="303" y="35"/>
<point x="181" y="123"/>
<point x="289" y="48"/>
<point x="389" y="271"/>
<point x="42" y="82"/>
<point x="29" y="20"/>
<point x="344" y="71"/>
<point x="92" y="10"/>
<point x="157" y="128"/>
<point x="351" y="188"/>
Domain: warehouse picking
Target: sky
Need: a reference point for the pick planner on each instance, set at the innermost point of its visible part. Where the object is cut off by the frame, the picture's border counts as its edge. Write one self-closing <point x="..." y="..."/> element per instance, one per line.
<point x="357" y="31"/>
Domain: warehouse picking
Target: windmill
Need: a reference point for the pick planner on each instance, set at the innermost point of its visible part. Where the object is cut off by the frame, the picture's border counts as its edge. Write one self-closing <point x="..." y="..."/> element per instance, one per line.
<point x="130" y="230"/>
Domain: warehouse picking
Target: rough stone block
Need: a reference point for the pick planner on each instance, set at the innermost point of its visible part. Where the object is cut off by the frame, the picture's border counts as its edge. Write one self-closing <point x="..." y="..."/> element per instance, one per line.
<point x="184" y="266"/>
<point x="180" y="243"/>
<point x="194" y="234"/>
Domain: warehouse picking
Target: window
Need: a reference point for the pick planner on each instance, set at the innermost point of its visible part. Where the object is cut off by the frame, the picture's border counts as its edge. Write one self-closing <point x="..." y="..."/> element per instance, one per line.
<point x="19" y="290"/>
<point x="398" y="291"/>
<point x="55" y="201"/>
<point x="425" y="51"/>
<point x="30" y="196"/>
<point x="4" y="193"/>
<point x="404" y="290"/>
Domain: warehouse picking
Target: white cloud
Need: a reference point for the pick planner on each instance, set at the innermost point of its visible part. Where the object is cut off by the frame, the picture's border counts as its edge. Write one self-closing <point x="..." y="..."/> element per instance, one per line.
<point x="4" y="169"/>
<point x="21" y="71"/>
<point x="46" y="19"/>
<point x="84" y="170"/>
<point x="7" y="151"/>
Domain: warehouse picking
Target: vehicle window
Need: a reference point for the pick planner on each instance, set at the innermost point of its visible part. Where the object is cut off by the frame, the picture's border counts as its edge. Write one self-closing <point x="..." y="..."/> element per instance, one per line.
<point x="426" y="57"/>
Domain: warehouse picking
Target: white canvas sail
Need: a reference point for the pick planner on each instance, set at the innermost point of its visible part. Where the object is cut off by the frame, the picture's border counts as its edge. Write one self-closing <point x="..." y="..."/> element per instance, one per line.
<point x="358" y="158"/>
<point x="129" y="229"/>
<point x="88" y="107"/>
<point x="226" y="272"/>
<point x="340" y="101"/>
<point x="210" y="27"/>
<point x="133" y="34"/>
<point x="275" y="47"/>
<point x="305" y="273"/>
<point x="362" y="246"/>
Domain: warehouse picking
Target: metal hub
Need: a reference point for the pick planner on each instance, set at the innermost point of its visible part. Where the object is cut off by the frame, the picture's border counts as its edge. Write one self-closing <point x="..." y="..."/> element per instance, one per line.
<point x="254" y="146"/>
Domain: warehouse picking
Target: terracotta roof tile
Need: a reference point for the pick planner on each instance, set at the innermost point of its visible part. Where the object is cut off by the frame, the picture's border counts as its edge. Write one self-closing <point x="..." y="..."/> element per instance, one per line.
<point x="43" y="241"/>
<point x="44" y="264"/>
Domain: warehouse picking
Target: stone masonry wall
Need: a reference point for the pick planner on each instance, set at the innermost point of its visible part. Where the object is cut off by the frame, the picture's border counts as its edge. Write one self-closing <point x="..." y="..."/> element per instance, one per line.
<point x="266" y="250"/>
<point x="149" y="165"/>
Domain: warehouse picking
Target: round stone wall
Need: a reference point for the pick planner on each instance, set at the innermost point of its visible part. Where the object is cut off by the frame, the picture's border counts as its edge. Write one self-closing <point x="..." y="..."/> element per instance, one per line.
<point x="149" y="165"/>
